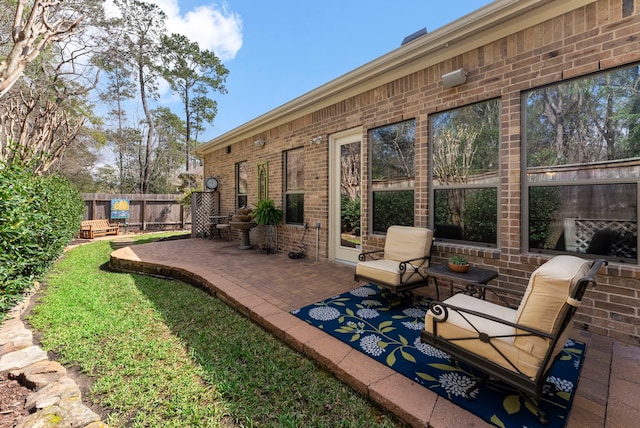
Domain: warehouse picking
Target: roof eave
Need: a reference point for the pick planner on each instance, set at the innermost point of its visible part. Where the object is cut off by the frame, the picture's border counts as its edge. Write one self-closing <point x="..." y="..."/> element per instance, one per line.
<point x="490" y="23"/>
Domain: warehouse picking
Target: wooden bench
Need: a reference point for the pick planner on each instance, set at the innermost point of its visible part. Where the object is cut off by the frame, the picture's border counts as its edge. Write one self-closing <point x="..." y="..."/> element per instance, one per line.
<point x="89" y="229"/>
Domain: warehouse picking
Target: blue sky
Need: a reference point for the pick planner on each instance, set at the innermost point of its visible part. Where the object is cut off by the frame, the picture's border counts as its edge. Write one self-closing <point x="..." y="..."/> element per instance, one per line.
<point x="276" y="51"/>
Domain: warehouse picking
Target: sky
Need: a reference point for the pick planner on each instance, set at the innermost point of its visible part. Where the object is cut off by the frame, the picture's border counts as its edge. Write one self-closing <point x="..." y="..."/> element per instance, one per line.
<point x="278" y="50"/>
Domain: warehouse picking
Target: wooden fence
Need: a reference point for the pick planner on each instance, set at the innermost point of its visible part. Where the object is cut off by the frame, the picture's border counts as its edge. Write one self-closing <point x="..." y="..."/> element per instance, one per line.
<point x="158" y="212"/>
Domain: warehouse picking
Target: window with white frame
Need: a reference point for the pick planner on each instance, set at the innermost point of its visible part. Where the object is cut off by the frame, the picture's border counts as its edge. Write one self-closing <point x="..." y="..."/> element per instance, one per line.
<point x="582" y="160"/>
<point x="464" y="173"/>
<point x="392" y="175"/>
<point x="294" y="186"/>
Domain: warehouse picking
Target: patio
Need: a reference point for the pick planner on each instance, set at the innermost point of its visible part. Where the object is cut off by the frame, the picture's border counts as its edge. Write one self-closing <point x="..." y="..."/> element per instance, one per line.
<point x="266" y="287"/>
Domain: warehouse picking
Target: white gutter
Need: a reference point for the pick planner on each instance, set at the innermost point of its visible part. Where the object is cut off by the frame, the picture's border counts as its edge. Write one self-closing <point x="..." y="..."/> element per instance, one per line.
<point x="488" y="24"/>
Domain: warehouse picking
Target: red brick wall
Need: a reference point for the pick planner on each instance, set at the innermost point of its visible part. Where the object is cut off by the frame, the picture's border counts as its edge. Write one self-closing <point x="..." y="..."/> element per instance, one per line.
<point x="592" y="38"/>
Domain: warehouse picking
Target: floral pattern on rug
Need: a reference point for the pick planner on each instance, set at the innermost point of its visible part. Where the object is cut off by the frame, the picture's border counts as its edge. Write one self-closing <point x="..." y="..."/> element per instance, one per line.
<point x="387" y="329"/>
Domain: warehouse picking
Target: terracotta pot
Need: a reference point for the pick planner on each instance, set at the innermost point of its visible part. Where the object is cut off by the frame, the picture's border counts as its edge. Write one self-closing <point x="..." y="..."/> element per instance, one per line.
<point x="245" y="211"/>
<point x="243" y="218"/>
<point x="458" y="268"/>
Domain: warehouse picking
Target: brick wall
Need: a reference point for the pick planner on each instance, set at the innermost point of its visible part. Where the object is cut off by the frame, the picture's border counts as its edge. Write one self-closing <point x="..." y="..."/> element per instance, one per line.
<point x="591" y="38"/>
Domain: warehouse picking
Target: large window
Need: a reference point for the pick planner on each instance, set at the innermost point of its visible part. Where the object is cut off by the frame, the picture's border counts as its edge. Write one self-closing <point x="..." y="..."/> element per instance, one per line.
<point x="242" y="173"/>
<point x="464" y="166"/>
<point x="582" y="158"/>
<point x="392" y="175"/>
<point x="294" y="186"/>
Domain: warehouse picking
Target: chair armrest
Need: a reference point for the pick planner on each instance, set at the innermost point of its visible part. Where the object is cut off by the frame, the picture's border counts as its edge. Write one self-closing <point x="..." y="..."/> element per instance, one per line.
<point x="363" y="256"/>
<point x="441" y="313"/>
<point x="404" y="263"/>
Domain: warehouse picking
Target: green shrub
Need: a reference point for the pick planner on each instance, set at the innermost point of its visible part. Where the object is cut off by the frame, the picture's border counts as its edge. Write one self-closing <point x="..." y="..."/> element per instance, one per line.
<point x="392" y="208"/>
<point x="350" y="213"/>
<point x="38" y="217"/>
<point x="481" y="215"/>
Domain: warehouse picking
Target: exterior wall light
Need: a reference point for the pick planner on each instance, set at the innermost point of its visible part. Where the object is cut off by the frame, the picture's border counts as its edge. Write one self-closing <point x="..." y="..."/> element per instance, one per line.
<point x="454" y="78"/>
<point x="259" y="143"/>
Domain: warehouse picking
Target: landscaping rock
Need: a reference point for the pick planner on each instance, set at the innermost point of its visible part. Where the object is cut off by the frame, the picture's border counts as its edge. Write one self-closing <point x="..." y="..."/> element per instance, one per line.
<point x="22" y="358"/>
<point x="52" y="394"/>
<point x="67" y="413"/>
<point x="39" y="375"/>
<point x="14" y="336"/>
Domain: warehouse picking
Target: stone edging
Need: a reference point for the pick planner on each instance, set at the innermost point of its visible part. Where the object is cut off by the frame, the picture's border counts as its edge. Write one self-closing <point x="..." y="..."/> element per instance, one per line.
<point x="56" y="399"/>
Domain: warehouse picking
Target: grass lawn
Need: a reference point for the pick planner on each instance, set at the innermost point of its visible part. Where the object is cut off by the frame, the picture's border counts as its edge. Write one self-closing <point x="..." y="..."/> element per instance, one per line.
<point x="165" y="354"/>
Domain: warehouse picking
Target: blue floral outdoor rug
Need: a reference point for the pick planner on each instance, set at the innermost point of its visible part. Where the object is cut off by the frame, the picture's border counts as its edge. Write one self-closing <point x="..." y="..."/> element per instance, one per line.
<point x="388" y="330"/>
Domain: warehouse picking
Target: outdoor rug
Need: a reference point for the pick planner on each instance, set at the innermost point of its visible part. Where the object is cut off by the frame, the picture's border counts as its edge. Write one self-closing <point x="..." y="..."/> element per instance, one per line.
<point x="387" y="329"/>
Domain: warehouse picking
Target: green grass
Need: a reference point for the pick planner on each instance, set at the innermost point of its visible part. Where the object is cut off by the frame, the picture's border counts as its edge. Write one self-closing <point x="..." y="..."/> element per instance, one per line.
<point x="164" y="353"/>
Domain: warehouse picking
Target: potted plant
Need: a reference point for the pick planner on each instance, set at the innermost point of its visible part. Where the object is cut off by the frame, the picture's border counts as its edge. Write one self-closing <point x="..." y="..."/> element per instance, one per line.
<point x="458" y="264"/>
<point x="266" y="213"/>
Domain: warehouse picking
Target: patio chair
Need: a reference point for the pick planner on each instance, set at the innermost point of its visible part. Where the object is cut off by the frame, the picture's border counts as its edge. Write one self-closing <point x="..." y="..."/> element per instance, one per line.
<point x="400" y="266"/>
<point x="223" y="228"/>
<point x="516" y="346"/>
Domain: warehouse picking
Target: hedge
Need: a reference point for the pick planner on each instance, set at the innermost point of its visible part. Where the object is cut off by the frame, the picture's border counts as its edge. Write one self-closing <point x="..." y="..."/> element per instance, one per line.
<point x="39" y="216"/>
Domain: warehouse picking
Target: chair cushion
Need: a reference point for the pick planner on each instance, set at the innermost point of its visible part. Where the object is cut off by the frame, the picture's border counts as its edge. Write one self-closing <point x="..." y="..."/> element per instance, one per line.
<point x="484" y="325"/>
<point x="503" y="352"/>
<point x="406" y="243"/>
<point x="385" y="271"/>
<point x="543" y="304"/>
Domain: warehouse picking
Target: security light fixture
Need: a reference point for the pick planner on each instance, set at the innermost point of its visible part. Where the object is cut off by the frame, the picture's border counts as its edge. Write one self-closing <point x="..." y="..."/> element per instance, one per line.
<point x="454" y="78"/>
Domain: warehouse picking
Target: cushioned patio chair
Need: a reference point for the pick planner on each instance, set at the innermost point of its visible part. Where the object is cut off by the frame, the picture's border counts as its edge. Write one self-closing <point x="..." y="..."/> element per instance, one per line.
<point x="516" y="346"/>
<point x="400" y="266"/>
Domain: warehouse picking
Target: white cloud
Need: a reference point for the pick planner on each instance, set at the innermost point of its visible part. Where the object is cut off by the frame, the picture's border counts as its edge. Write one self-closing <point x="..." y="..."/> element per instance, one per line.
<point x="214" y="27"/>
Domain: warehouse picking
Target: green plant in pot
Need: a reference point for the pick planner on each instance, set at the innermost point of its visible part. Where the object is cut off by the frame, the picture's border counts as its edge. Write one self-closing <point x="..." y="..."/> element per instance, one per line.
<point x="458" y="264"/>
<point x="266" y="212"/>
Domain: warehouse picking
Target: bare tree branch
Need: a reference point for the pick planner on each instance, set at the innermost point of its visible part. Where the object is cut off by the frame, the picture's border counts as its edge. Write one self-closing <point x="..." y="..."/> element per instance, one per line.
<point x="34" y="28"/>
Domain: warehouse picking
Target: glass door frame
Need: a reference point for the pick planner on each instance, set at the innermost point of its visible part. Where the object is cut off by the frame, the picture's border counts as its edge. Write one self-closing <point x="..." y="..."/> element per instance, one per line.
<point x="336" y="141"/>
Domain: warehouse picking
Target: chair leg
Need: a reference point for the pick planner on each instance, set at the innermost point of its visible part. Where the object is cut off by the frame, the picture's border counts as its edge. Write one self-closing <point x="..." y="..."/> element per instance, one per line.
<point x="542" y="416"/>
<point x="224" y="232"/>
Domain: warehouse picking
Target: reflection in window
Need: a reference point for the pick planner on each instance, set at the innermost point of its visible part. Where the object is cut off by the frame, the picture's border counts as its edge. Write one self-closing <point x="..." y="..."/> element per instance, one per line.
<point x="242" y="174"/>
<point x="465" y="144"/>
<point x="294" y="186"/>
<point x="596" y="219"/>
<point x="583" y="162"/>
<point x="393" y="175"/>
<point x="350" y="161"/>
<point x="477" y="222"/>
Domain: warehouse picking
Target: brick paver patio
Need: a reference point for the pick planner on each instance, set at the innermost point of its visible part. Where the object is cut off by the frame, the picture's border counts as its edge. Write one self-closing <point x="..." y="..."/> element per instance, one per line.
<point x="266" y="287"/>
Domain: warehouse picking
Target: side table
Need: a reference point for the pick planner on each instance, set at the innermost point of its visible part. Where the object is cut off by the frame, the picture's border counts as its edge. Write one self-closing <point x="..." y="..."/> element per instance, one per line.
<point x="474" y="275"/>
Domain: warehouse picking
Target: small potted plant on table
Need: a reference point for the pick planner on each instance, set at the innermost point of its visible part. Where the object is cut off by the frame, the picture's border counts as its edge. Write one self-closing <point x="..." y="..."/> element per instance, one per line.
<point x="458" y="264"/>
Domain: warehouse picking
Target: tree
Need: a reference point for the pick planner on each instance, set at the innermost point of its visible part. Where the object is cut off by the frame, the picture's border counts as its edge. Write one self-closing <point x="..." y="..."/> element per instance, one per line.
<point x="42" y="116"/>
<point x="587" y="120"/>
<point x="143" y="25"/>
<point x="393" y="149"/>
<point x="36" y="25"/>
<point x="43" y="113"/>
<point x="169" y="154"/>
<point x="190" y="71"/>
<point x="119" y="89"/>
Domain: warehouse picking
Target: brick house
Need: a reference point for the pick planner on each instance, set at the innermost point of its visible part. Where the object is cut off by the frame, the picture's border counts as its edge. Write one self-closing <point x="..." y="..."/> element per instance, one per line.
<point x="511" y="132"/>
